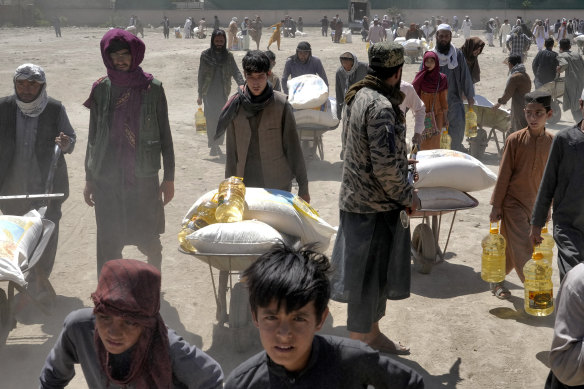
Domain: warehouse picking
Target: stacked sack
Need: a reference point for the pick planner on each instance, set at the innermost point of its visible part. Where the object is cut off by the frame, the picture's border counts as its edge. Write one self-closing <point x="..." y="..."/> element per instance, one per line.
<point x="308" y="95"/>
<point x="270" y="216"/>
<point x="444" y="176"/>
<point x="19" y="236"/>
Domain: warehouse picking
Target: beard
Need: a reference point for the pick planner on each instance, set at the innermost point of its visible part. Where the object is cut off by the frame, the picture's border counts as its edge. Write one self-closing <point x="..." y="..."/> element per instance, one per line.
<point x="443" y="48"/>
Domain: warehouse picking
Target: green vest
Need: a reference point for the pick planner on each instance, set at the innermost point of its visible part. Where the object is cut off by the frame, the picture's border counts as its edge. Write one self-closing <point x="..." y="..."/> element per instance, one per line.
<point x="148" y="149"/>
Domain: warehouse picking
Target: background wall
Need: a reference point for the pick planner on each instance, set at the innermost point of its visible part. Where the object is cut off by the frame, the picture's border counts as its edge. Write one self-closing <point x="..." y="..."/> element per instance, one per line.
<point x="96" y="17"/>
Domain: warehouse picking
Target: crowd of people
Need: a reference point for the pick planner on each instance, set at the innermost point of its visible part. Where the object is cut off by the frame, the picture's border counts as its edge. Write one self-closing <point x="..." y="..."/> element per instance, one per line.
<point x="123" y="339"/>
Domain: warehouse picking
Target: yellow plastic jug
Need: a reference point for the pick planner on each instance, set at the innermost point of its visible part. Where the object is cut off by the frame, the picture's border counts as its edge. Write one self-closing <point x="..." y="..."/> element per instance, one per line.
<point x="470" y="130"/>
<point x="230" y="200"/>
<point x="200" y="121"/>
<point x="445" y="139"/>
<point x="493" y="258"/>
<point x="539" y="289"/>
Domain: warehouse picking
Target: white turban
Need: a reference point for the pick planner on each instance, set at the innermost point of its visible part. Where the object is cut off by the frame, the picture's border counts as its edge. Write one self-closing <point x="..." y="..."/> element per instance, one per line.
<point x="444" y="27"/>
<point x="31" y="72"/>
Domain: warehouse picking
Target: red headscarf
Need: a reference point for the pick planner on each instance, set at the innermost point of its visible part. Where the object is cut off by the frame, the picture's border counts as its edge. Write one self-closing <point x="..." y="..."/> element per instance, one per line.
<point x="131" y="289"/>
<point x="427" y="80"/>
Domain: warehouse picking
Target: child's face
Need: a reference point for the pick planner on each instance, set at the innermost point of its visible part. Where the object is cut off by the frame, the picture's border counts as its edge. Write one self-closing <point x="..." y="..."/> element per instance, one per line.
<point x="117" y="333"/>
<point x="287" y="337"/>
<point x="536" y="115"/>
<point x="430" y="63"/>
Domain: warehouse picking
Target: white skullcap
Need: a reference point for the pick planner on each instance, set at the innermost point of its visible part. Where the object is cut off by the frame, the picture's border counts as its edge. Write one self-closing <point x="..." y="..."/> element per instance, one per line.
<point x="445" y="27"/>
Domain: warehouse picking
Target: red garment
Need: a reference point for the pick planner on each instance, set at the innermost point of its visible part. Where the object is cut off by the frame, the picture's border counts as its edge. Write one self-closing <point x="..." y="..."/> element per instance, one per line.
<point x="426" y="80"/>
<point x="131" y="289"/>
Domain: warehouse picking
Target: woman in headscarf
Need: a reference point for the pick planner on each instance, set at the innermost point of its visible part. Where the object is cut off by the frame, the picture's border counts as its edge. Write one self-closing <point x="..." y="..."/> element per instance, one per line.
<point x="471" y="49"/>
<point x="216" y="69"/>
<point x="432" y="87"/>
<point x="123" y="342"/>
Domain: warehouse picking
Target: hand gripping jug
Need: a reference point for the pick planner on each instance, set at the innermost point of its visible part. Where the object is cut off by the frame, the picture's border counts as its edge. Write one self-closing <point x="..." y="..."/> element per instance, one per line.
<point x="546" y="247"/>
<point x="493" y="258"/>
<point x="445" y="139"/>
<point x="539" y="290"/>
<point x="200" y="122"/>
<point x="230" y="200"/>
<point x="470" y="118"/>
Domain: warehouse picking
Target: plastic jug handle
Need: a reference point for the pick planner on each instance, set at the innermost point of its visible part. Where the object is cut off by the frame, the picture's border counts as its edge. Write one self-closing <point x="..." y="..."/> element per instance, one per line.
<point x="214" y="198"/>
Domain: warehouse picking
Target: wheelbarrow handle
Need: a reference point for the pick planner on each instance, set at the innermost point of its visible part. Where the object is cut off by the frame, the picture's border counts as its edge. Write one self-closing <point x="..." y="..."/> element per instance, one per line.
<point x="52" y="169"/>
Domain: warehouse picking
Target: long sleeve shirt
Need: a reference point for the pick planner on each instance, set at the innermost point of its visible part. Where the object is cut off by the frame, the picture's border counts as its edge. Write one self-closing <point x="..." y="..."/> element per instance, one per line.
<point x="544" y="66"/>
<point x="191" y="367"/>
<point x="375" y="170"/>
<point x="521" y="168"/>
<point x="567" y="353"/>
<point x="414" y="104"/>
<point x="334" y="362"/>
<point x="294" y="68"/>
<point x="562" y="182"/>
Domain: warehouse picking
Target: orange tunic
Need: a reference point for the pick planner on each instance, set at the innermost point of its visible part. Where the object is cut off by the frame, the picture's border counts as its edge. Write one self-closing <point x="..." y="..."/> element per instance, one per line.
<point x="520" y="172"/>
<point x="440" y="102"/>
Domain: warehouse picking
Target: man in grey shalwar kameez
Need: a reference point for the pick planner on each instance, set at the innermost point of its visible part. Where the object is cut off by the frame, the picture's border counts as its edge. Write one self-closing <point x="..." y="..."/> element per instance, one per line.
<point x="453" y="64"/>
<point x="350" y="72"/>
<point x="562" y="183"/>
<point x="371" y="256"/>
<point x="216" y="69"/>
<point x="573" y="65"/>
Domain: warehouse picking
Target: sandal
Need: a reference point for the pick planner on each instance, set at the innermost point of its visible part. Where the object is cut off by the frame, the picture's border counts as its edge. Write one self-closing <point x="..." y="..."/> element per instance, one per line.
<point x="500" y="291"/>
<point x="383" y="344"/>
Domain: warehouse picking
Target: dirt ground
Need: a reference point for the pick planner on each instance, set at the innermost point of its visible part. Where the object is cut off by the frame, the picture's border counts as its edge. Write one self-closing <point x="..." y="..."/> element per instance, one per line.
<point x="460" y="335"/>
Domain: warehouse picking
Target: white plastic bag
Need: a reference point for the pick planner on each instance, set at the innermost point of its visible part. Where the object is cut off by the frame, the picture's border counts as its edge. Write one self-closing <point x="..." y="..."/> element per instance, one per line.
<point x="245" y="237"/>
<point x="284" y="211"/>
<point x="19" y="236"/>
<point x="307" y="91"/>
<point x="325" y="116"/>
<point x="452" y="169"/>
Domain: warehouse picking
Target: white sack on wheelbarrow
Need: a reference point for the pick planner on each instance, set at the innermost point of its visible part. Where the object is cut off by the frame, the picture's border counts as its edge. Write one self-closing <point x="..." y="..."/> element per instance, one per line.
<point x="452" y="169"/>
<point x="325" y="116"/>
<point x="245" y="237"/>
<point x="19" y="236"/>
<point x="284" y="211"/>
<point x="307" y="91"/>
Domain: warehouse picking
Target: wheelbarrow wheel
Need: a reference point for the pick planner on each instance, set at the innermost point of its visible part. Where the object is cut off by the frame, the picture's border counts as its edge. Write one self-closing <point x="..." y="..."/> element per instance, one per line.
<point x="6" y="320"/>
<point x="423" y="248"/>
<point x="240" y="317"/>
<point x="557" y="113"/>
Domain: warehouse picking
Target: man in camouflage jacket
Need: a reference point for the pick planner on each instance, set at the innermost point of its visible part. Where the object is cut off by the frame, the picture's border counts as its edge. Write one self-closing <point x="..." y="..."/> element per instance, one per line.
<point x="371" y="257"/>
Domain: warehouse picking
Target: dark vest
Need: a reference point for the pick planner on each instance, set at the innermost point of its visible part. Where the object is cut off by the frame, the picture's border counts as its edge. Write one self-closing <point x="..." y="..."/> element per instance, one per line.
<point x="47" y="131"/>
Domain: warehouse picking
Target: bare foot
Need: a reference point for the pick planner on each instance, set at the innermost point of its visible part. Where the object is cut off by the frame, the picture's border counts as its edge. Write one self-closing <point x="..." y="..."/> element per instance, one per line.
<point x="383" y="344"/>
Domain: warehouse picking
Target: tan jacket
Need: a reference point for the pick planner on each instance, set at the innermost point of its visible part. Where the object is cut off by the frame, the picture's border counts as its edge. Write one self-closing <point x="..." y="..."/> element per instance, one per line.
<point x="279" y="145"/>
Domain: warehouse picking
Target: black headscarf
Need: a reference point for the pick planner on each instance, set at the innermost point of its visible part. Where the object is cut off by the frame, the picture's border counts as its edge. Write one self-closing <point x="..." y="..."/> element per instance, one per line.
<point x="212" y="56"/>
<point x="243" y="98"/>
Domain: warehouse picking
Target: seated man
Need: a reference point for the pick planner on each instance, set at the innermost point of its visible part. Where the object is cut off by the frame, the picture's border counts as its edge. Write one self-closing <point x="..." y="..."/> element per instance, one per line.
<point x="302" y="63"/>
<point x="123" y="341"/>
<point x="289" y="292"/>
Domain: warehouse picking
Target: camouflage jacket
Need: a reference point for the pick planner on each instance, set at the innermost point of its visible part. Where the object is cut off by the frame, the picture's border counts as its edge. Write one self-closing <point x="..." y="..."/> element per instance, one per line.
<point x="375" y="169"/>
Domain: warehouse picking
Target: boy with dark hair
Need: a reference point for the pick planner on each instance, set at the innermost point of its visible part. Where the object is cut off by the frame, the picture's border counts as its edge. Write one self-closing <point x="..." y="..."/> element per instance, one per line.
<point x="289" y="292"/>
<point x="262" y="143"/>
<point x="545" y="64"/>
<point x="520" y="171"/>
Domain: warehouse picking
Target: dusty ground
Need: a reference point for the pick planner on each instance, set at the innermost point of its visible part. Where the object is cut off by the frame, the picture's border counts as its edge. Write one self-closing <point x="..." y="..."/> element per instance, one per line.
<point x="460" y="335"/>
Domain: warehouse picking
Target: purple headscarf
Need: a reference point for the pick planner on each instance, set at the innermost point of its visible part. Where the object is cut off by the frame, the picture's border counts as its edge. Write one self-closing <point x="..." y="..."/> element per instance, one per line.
<point x="125" y="122"/>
